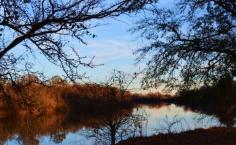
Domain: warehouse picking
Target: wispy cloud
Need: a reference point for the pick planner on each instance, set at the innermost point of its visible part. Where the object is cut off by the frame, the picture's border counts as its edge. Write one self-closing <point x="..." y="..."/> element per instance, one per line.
<point x="110" y="50"/>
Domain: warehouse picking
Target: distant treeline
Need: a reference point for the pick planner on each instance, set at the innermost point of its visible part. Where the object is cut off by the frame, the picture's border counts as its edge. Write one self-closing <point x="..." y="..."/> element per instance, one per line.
<point x="29" y="94"/>
<point x="218" y="100"/>
<point x="224" y="91"/>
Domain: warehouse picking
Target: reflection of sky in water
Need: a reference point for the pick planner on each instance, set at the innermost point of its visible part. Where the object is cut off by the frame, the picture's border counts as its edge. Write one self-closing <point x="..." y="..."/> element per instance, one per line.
<point x="156" y="117"/>
<point x="189" y="120"/>
<point x="71" y="139"/>
<point x="76" y="138"/>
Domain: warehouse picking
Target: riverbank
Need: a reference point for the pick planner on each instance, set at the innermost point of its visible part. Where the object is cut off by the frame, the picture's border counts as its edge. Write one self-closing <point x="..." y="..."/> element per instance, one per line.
<point x="212" y="136"/>
<point x="31" y="96"/>
<point x="37" y="98"/>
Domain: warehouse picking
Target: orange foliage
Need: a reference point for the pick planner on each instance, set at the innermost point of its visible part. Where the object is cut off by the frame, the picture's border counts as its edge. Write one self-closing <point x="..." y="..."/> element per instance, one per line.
<point x="29" y="95"/>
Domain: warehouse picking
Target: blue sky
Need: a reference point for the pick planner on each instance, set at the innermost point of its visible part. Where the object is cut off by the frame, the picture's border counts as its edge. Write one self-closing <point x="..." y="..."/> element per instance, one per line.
<point x="113" y="47"/>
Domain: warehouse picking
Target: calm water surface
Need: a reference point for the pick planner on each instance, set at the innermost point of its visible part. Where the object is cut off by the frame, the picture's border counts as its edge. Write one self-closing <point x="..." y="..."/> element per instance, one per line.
<point x="103" y="129"/>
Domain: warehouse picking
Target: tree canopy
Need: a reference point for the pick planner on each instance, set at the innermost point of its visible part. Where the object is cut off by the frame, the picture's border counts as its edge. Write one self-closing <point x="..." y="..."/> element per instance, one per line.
<point x="189" y="45"/>
<point x="44" y="25"/>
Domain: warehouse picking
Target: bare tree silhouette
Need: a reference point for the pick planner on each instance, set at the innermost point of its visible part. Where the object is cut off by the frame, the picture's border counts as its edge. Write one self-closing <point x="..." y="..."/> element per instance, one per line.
<point x="191" y="44"/>
<point x="122" y="81"/>
<point x="43" y="25"/>
<point x="117" y="127"/>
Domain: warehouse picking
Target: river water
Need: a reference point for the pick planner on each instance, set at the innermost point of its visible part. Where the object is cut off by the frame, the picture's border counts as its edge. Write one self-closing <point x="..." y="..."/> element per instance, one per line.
<point x="104" y="128"/>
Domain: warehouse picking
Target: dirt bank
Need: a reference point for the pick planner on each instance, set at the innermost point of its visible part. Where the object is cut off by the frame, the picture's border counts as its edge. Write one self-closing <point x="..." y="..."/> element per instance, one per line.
<point x="213" y="136"/>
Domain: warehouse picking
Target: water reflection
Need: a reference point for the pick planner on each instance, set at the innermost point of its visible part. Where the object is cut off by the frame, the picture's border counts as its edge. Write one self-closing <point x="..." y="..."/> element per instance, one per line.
<point x="101" y="126"/>
<point x="226" y="113"/>
<point x="117" y="127"/>
<point x="169" y="118"/>
<point x="28" y="130"/>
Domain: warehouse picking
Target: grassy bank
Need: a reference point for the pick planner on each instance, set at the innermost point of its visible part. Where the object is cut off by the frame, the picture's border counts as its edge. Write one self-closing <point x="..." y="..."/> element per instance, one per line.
<point x="213" y="136"/>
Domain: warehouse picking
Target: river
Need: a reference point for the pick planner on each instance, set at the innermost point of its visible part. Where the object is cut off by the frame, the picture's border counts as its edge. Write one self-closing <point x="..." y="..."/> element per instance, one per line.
<point x="97" y="127"/>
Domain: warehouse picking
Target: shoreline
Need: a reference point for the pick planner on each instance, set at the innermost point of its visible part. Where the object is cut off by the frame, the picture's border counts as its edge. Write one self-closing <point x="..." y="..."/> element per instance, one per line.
<point x="211" y="136"/>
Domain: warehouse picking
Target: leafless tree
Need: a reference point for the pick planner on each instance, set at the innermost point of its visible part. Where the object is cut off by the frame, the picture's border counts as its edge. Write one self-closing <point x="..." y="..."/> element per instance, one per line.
<point x="122" y="81"/>
<point x="118" y="127"/>
<point x="191" y="44"/>
<point x="170" y="125"/>
<point x="45" y="26"/>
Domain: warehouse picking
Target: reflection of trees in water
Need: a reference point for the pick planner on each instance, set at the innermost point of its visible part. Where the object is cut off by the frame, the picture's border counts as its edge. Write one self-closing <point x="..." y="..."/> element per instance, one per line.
<point x="26" y="129"/>
<point x="218" y="100"/>
<point x="21" y="129"/>
<point x="228" y="116"/>
<point x="117" y="127"/>
<point x="225" y="113"/>
<point x="170" y="124"/>
<point x="107" y="125"/>
<point x="58" y="136"/>
<point x="27" y="141"/>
